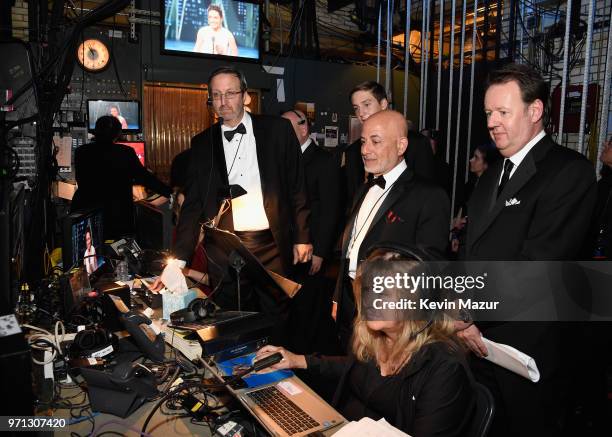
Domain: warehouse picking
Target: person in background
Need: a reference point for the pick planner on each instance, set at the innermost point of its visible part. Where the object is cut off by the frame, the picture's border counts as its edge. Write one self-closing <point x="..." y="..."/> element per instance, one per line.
<point x="311" y="307"/>
<point x="214" y="38"/>
<point x="368" y="98"/>
<point x="115" y="112"/>
<point x="408" y="370"/>
<point x="442" y="170"/>
<point x="105" y="173"/>
<point x="484" y="156"/>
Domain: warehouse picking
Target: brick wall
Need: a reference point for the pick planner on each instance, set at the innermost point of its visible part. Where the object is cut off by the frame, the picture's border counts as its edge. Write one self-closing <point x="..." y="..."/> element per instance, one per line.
<point x="19" y="16"/>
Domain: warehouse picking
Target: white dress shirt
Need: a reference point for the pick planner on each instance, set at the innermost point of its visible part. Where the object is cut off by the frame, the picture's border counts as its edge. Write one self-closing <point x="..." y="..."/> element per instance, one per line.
<point x="370" y="205"/>
<point x="518" y="157"/>
<point x="241" y="161"/>
<point x="306" y="144"/>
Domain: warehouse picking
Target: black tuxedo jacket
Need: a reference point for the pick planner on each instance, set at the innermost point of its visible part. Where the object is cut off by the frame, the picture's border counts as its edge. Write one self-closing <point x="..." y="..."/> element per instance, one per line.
<point x="414" y="212"/>
<point x="323" y="187"/>
<point x="282" y="183"/>
<point x="542" y="213"/>
<point x="556" y="191"/>
<point x="419" y="159"/>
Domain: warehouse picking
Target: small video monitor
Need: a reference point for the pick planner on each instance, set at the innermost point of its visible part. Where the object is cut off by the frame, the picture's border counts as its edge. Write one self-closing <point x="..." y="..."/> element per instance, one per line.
<point x="221" y="29"/>
<point x="83" y="241"/>
<point x="139" y="148"/>
<point x="126" y="111"/>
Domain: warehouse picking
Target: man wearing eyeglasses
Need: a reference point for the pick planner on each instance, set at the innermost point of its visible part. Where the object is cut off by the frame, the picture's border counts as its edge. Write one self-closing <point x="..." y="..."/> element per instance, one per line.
<point x="260" y="154"/>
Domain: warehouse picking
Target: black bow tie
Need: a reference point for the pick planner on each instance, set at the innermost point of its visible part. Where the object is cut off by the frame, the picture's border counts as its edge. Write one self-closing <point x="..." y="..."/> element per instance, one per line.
<point x="240" y="129"/>
<point x="380" y="181"/>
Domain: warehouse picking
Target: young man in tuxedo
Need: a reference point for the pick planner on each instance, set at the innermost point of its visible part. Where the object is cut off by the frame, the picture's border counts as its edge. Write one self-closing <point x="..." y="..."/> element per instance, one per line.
<point x="260" y="154"/>
<point x="394" y="206"/>
<point x="535" y="204"/>
<point x="368" y="98"/>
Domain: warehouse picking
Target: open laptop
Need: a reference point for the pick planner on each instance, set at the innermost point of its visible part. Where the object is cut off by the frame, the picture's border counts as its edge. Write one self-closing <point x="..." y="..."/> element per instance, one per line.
<point x="287" y="407"/>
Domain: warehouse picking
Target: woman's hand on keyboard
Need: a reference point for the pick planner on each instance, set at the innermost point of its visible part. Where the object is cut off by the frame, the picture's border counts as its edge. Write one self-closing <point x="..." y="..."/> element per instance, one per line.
<point x="289" y="361"/>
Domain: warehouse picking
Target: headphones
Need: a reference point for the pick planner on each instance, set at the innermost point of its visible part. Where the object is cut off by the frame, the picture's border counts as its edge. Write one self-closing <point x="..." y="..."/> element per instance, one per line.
<point x="410" y="252"/>
<point x="89" y="341"/>
<point x="301" y="120"/>
<point x="197" y="309"/>
<point x="227" y="70"/>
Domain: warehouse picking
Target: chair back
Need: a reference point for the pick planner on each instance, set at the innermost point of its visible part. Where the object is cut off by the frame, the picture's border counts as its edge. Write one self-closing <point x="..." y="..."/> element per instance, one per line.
<point x="483" y="415"/>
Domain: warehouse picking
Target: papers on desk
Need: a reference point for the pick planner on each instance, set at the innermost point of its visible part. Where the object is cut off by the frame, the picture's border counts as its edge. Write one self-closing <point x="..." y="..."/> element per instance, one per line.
<point x="367" y="427"/>
<point x="176" y="338"/>
<point x="512" y="359"/>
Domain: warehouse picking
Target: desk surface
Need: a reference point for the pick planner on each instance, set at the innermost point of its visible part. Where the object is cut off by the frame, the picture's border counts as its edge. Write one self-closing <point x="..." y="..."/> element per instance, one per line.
<point x="159" y="425"/>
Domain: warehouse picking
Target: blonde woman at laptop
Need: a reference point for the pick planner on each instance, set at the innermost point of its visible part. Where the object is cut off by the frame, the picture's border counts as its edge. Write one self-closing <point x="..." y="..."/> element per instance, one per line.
<point x="411" y="372"/>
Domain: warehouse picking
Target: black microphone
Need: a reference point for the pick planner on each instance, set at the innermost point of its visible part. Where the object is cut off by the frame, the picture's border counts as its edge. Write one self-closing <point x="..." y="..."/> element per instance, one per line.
<point x="268" y="361"/>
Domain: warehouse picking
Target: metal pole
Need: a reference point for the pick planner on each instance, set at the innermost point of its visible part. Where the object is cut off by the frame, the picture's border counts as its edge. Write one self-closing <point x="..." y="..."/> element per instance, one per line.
<point x="450" y="82"/>
<point x="422" y="125"/>
<point x="440" y="56"/>
<point x="388" y="72"/>
<point x="406" y="57"/>
<point x="422" y="83"/>
<point x="564" y="74"/>
<point x="469" y="133"/>
<point x="378" y="44"/>
<point x="605" y="106"/>
<point x="586" y="76"/>
<point x="459" y="95"/>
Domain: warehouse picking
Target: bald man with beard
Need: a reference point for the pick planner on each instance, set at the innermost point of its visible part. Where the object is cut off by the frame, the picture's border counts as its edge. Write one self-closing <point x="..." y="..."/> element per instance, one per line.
<point x="395" y="206"/>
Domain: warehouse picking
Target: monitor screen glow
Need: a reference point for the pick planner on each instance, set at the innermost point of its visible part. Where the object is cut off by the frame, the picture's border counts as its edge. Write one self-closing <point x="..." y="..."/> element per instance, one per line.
<point x="139" y="148"/>
<point x="212" y="28"/>
<point x="126" y="111"/>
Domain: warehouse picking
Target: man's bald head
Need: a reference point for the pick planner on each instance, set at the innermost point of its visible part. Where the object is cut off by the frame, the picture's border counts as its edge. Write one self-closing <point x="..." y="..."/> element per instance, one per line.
<point x="300" y="124"/>
<point x="383" y="141"/>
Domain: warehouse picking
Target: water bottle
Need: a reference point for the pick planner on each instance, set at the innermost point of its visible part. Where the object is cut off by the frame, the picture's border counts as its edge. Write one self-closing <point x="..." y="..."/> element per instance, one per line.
<point x="122" y="272"/>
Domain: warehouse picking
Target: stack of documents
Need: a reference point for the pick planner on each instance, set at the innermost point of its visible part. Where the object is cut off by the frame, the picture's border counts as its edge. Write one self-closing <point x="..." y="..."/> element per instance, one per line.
<point x="176" y="338"/>
<point x="367" y="427"/>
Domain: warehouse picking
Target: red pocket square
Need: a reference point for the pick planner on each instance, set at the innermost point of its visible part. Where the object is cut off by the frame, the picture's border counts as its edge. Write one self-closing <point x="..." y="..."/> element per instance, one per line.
<point x="393" y="217"/>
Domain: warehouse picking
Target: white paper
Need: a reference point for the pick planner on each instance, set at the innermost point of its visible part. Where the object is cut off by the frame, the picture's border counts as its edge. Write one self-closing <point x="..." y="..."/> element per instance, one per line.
<point x="367" y="427"/>
<point x="173" y="279"/>
<point x="512" y="359"/>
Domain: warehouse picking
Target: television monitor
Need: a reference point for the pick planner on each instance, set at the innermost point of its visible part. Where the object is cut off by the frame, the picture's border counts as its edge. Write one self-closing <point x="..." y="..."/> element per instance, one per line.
<point x="83" y="241"/>
<point x="127" y="111"/>
<point x="153" y="226"/>
<point x="139" y="148"/>
<point x="221" y="29"/>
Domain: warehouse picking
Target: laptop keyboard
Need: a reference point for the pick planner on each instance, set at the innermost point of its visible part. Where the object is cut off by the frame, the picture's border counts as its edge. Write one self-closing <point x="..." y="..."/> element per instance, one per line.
<point x="291" y="418"/>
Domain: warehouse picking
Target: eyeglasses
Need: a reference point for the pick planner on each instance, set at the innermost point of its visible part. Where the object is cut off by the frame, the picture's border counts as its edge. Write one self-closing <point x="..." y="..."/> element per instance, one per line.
<point x="228" y="95"/>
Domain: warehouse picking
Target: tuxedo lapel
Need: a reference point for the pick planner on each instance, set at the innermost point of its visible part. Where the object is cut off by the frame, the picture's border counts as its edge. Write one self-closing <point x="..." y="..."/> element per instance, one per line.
<point x="308" y="155"/>
<point x="259" y="132"/>
<point x="218" y="153"/>
<point x="496" y="204"/>
<point x="395" y="193"/>
<point x="363" y="189"/>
